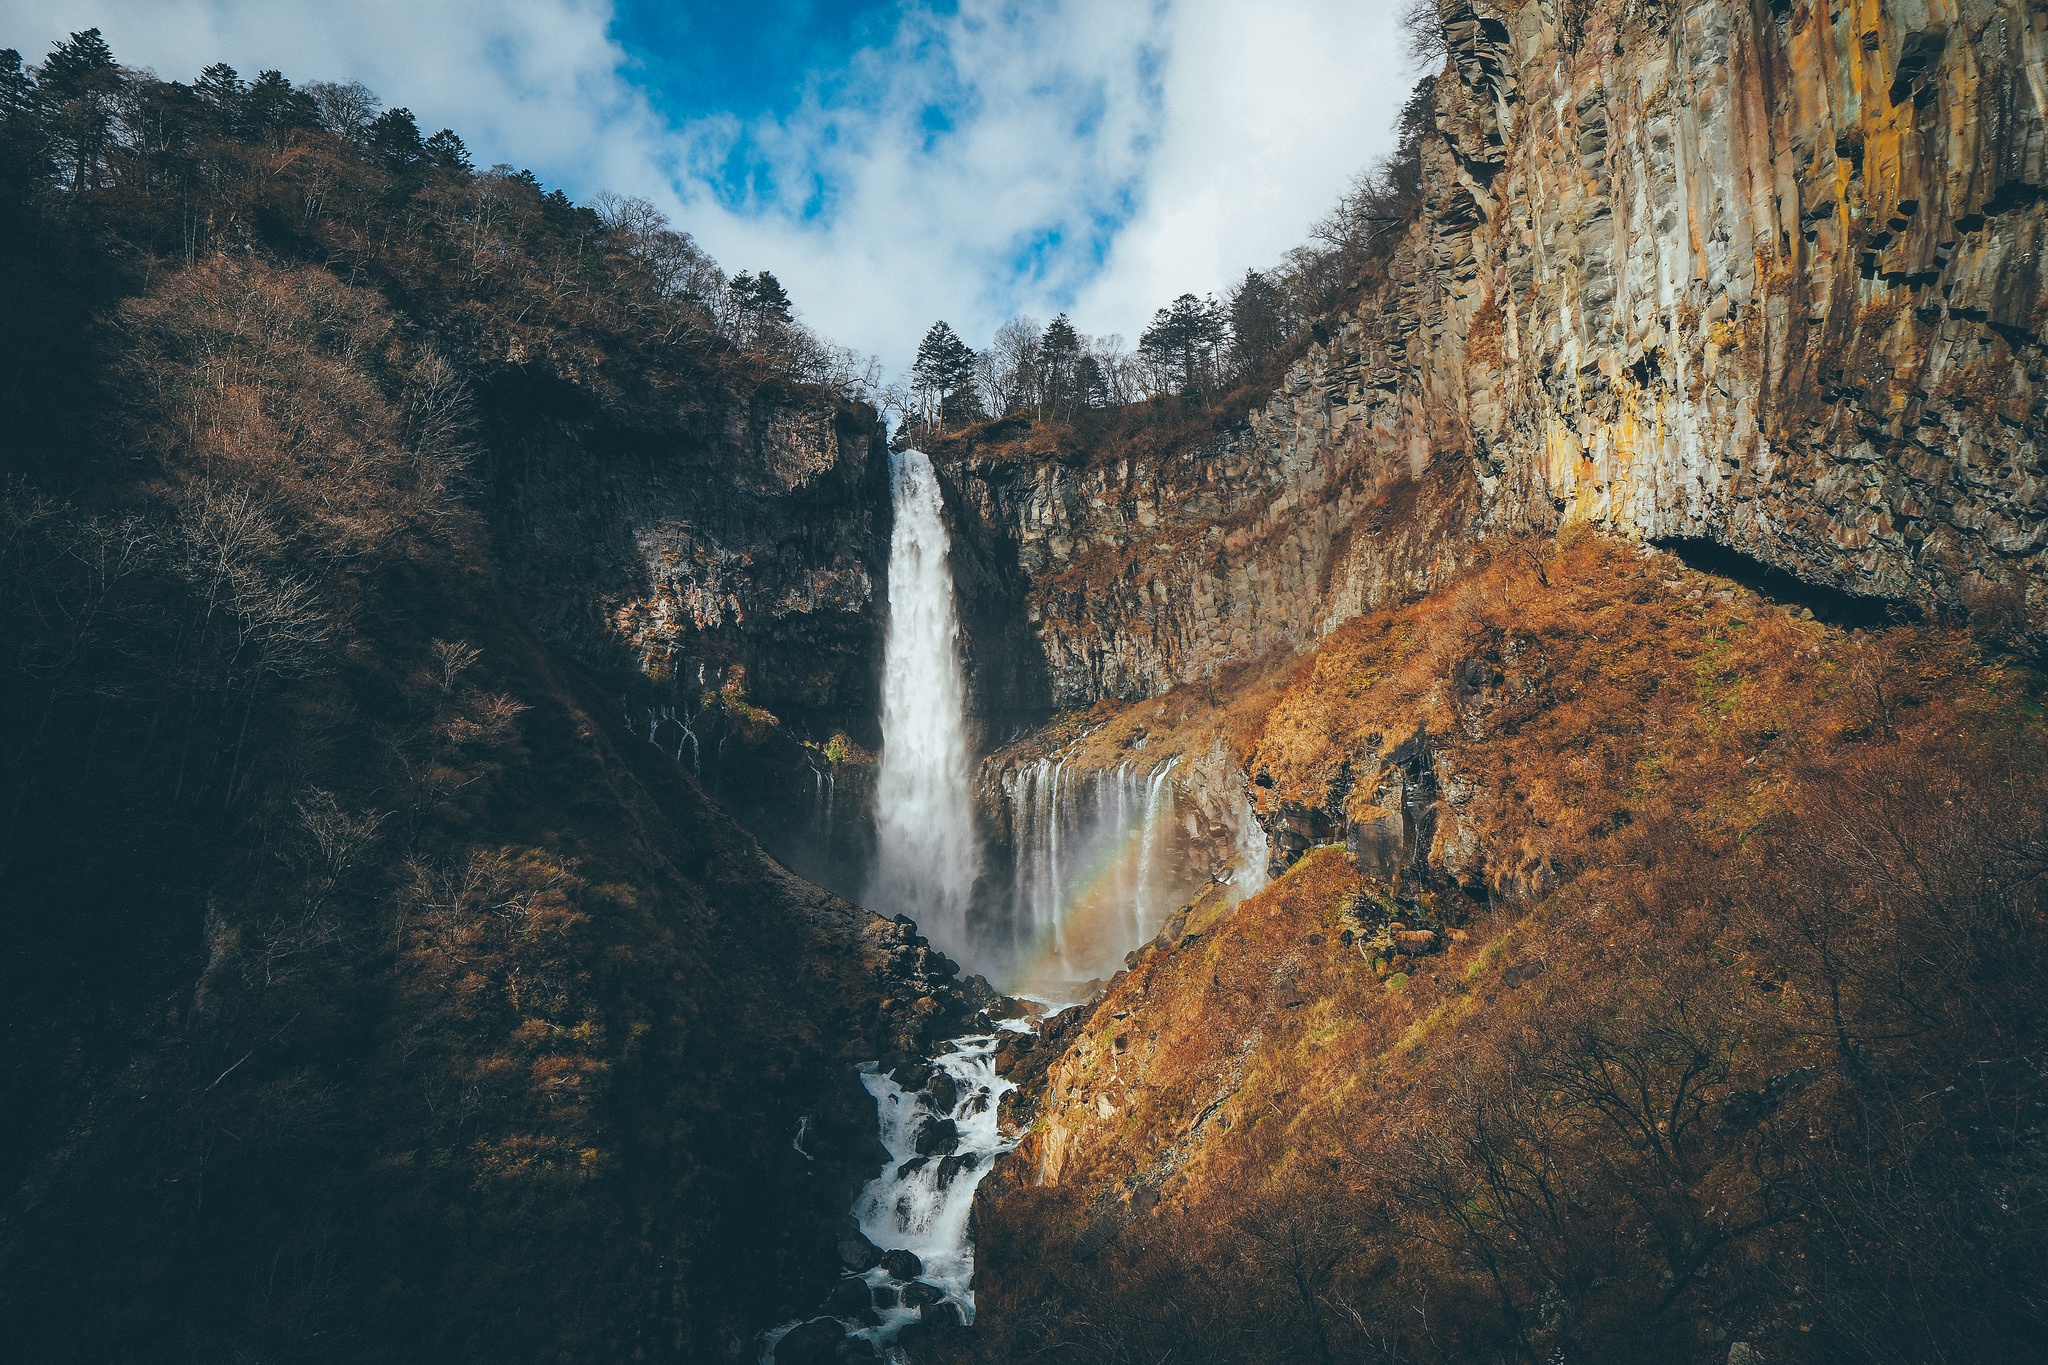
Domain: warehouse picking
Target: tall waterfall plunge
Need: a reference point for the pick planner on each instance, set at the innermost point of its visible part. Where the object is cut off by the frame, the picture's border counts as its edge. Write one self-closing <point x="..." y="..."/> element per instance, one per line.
<point x="926" y="857"/>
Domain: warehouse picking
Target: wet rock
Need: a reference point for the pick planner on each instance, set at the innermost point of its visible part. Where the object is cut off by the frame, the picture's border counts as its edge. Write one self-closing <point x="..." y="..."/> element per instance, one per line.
<point x="884" y="1295"/>
<point x="816" y="1342"/>
<point x="918" y="1294"/>
<point x="902" y="1265"/>
<point x="952" y="1166"/>
<point x="938" y="1137"/>
<point x="938" y="1329"/>
<point x="944" y="1091"/>
<point x="850" y="1301"/>
<point x="856" y="1252"/>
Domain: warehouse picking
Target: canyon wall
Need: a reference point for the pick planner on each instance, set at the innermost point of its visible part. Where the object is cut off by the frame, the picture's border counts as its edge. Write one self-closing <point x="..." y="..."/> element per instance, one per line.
<point x="1762" y="274"/>
<point x="719" y="554"/>
<point x="741" y="540"/>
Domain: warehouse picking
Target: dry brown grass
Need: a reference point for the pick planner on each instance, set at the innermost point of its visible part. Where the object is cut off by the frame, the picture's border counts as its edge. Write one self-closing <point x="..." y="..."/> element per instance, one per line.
<point x="1530" y="1141"/>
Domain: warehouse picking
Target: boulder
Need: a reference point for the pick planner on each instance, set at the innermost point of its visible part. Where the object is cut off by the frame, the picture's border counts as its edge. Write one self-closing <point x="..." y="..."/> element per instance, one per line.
<point x="902" y="1265"/>
<point x="850" y="1301"/>
<point x="856" y="1252"/>
<point x="944" y="1091"/>
<point x="951" y="1166"/>
<point x="918" y="1294"/>
<point x="938" y="1137"/>
<point x="815" y="1342"/>
<point x="884" y="1295"/>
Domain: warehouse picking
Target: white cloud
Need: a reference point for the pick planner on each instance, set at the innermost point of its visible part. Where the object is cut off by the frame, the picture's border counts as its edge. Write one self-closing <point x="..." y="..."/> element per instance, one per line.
<point x="1212" y="132"/>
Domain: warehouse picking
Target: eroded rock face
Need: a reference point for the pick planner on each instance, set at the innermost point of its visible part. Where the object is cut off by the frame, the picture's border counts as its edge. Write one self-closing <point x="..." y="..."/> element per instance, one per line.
<point x="748" y="542"/>
<point x="1768" y="275"/>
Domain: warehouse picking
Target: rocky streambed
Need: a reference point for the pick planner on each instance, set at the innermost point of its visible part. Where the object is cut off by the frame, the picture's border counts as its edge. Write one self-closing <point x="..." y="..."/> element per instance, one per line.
<point x="906" y="1247"/>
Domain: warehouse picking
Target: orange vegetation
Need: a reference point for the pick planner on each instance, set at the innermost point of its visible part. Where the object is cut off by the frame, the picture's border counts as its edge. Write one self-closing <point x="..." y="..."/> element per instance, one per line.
<point x="1728" y="1027"/>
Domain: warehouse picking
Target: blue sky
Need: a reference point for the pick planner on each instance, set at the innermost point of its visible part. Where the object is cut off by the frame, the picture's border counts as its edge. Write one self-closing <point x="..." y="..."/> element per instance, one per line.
<point x="892" y="162"/>
<point x="699" y="61"/>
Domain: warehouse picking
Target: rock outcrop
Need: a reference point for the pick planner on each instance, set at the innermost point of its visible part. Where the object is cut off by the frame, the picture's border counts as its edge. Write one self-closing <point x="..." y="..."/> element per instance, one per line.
<point x="747" y="542"/>
<point x="1768" y="275"/>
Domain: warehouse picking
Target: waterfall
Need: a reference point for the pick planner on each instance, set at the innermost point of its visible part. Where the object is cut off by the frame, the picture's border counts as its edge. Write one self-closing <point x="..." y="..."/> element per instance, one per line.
<point x="1094" y="867"/>
<point x="1150" y="833"/>
<point x="1254" y="854"/>
<point x="926" y="859"/>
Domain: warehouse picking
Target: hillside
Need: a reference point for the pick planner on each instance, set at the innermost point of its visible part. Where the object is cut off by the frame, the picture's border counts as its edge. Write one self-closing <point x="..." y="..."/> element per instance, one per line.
<point x="1653" y="967"/>
<point x="373" y="989"/>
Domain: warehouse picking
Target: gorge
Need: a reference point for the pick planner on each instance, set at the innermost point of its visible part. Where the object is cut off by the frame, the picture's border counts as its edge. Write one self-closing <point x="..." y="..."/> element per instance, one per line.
<point x="548" y="819"/>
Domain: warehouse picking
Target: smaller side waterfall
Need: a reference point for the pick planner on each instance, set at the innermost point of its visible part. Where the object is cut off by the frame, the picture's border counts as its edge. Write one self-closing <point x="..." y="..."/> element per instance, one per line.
<point x="1093" y="870"/>
<point x="1254" y="855"/>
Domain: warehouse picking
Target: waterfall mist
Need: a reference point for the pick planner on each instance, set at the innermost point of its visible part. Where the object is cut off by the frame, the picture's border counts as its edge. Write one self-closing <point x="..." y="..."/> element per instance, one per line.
<point x="1094" y="869"/>
<point x="926" y="856"/>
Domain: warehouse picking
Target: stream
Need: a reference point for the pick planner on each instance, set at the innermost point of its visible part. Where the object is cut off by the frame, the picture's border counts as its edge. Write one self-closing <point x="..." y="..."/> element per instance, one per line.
<point x="942" y="1141"/>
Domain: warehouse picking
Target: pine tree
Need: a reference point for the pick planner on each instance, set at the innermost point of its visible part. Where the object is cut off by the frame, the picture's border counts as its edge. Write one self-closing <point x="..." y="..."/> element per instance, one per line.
<point x="943" y="377"/>
<point x="1059" y="356"/>
<point x="1258" y="320"/>
<point x="446" y="150"/>
<point x="220" y="89"/>
<point x="78" y="84"/>
<point x="1182" y="342"/>
<point x="395" y="138"/>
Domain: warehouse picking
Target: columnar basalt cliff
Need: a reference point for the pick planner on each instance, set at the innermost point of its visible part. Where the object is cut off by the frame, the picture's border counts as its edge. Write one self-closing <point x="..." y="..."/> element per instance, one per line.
<point x="1764" y="274"/>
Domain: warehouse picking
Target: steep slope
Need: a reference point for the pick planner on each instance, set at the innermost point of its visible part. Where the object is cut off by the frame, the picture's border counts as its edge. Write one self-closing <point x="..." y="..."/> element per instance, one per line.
<point x="1656" y="970"/>
<point x="374" y="990"/>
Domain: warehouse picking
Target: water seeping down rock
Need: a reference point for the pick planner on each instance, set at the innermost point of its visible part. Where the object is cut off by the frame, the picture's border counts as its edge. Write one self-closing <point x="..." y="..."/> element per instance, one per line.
<point x="723" y="550"/>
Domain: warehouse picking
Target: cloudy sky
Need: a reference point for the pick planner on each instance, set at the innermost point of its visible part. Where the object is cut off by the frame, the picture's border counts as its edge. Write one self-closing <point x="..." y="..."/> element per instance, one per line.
<point x="892" y="162"/>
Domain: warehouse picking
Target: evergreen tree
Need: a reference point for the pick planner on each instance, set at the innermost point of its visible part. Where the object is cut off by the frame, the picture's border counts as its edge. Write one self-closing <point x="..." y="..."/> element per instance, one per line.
<point x="271" y="107"/>
<point x="395" y="139"/>
<point x="78" y="84"/>
<point x="220" y="89"/>
<point x="446" y="150"/>
<point x="1059" y="352"/>
<point x="943" y="377"/>
<point x="1258" y="320"/>
<point x="1182" y="342"/>
<point x="760" y="307"/>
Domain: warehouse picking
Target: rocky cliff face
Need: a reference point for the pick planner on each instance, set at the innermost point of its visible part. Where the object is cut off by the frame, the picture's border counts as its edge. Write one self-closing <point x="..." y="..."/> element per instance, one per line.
<point x="741" y="542"/>
<point x="721" y="560"/>
<point x="1763" y="274"/>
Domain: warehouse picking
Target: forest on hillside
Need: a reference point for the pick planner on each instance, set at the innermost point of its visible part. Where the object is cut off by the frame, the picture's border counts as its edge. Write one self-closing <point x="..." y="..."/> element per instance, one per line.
<point x="365" y="996"/>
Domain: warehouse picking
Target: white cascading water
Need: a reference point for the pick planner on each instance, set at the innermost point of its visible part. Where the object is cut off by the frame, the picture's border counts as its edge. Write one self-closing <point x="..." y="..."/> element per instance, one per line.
<point x="926" y="863"/>
<point x="1254" y="855"/>
<point x="926" y="857"/>
<point x="1098" y="851"/>
<point x="921" y="1204"/>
